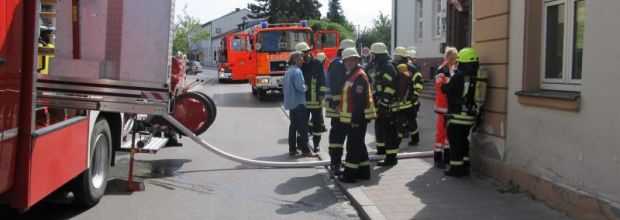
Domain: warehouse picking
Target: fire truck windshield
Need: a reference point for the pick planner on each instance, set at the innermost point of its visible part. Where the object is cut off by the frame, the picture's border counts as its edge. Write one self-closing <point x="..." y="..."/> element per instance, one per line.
<point x="281" y="41"/>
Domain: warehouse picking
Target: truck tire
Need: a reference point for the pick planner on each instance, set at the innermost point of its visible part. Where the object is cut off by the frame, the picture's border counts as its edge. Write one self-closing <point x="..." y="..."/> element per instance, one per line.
<point x="90" y="186"/>
<point x="262" y="94"/>
<point x="254" y="91"/>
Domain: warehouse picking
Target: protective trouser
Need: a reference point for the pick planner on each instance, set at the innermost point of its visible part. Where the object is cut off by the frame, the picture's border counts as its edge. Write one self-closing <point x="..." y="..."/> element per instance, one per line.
<point x="357" y="165"/>
<point x="316" y="125"/>
<point x="441" y="147"/>
<point x="337" y="136"/>
<point x="386" y="132"/>
<point x="298" y="129"/>
<point x="459" y="148"/>
<point x="412" y="125"/>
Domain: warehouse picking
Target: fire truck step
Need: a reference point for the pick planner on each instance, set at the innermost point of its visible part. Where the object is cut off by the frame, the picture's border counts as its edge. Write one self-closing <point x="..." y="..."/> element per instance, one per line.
<point x="151" y="145"/>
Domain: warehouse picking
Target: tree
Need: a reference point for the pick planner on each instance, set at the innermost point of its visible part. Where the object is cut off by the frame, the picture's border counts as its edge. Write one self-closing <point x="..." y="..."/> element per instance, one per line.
<point x="186" y="31"/>
<point x="335" y="12"/>
<point x="285" y="11"/>
<point x="346" y="32"/>
<point x="381" y="31"/>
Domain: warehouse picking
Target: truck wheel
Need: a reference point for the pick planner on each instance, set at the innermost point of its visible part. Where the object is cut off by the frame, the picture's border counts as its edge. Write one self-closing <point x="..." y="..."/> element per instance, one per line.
<point x="262" y="94"/>
<point x="254" y="91"/>
<point x="91" y="184"/>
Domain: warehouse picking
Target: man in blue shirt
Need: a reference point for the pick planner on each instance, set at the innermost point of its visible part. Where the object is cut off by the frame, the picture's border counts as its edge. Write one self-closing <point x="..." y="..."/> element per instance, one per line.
<point x="295" y="101"/>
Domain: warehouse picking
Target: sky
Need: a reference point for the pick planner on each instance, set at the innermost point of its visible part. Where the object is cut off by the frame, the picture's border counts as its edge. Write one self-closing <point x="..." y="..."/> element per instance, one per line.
<point x="360" y="12"/>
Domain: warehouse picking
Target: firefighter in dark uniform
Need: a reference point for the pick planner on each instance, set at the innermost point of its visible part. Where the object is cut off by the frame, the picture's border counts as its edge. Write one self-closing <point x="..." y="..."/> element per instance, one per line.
<point x="461" y="116"/>
<point x="356" y="109"/>
<point x="314" y="76"/>
<point x="383" y="80"/>
<point x="409" y="87"/>
<point x="336" y="76"/>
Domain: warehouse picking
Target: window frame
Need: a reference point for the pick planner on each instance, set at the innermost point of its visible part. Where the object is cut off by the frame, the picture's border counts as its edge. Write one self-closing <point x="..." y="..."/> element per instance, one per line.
<point x="419" y="20"/>
<point x="437" y="19"/>
<point x="566" y="82"/>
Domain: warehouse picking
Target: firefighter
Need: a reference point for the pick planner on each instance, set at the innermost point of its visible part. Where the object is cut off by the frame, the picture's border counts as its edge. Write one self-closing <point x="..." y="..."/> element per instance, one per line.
<point x="46" y="40"/>
<point x="444" y="72"/>
<point x="335" y="78"/>
<point x="383" y="80"/>
<point x="356" y="109"/>
<point x="314" y="76"/>
<point x="462" y="110"/>
<point x="409" y="89"/>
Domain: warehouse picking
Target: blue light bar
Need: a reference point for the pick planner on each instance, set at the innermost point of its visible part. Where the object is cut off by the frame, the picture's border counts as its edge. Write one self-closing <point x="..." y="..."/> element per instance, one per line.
<point x="304" y="23"/>
<point x="264" y="24"/>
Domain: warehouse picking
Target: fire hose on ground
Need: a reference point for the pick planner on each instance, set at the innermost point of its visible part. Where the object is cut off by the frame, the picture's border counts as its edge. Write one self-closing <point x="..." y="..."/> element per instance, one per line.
<point x="274" y="164"/>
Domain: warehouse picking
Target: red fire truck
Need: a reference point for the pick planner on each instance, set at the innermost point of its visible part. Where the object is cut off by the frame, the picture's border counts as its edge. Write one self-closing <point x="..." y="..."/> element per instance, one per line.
<point x="75" y="76"/>
<point x="261" y="54"/>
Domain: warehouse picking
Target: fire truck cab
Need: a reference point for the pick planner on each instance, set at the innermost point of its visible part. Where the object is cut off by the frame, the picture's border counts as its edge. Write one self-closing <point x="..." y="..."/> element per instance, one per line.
<point x="261" y="54"/>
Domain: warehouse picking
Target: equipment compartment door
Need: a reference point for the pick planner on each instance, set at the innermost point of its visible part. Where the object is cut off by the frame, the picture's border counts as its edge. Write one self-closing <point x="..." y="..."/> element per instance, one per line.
<point x="328" y="42"/>
<point x="241" y="58"/>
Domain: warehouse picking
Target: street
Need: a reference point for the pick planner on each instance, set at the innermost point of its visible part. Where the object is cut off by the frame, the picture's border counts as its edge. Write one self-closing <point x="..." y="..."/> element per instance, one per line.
<point x="190" y="182"/>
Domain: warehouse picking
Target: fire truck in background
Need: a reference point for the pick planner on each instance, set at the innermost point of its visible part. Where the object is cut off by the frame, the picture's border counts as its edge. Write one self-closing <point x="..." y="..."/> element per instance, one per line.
<point x="260" y="55"/>
<point x="76" y="77"/>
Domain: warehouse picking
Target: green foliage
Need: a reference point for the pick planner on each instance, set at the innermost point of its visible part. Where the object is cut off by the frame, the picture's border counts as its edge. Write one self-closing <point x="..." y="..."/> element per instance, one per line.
<point x="335" y="12"/>
<point x="285" y="11"/>
<point x="345" y="31"/>
<point x="186" y="31"/>
<point x="380" y="31"/>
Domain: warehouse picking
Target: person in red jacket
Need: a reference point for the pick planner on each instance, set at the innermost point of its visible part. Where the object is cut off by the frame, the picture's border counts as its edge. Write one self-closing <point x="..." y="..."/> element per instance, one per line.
<point x="443" y="74"/>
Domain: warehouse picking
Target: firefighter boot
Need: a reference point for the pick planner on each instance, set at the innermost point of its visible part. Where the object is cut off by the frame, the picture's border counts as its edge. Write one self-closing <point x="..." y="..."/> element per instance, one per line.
<point x="454" y="171"/>
<point x="363" y="173"/>
<point x="348" y="176"/>
<point x="316" y="140"/>
<point x="437" y="157"/>
<point x="390" y="160"/>
<point x="335" y="169"/>
<point x="380" y="148"/>
<point x="415" y="139"/>
<point x="446" y="156"/>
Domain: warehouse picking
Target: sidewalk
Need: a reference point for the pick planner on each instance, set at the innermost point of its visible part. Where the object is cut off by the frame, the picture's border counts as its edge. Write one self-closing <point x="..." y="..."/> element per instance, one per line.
<point x="414" y="189"/>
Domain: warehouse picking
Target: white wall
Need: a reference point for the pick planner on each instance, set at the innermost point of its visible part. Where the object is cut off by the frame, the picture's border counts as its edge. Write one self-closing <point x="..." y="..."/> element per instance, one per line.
<point x="225" y="24"/>
<point x="580" y="150"/>
<point x="428" y="45"/>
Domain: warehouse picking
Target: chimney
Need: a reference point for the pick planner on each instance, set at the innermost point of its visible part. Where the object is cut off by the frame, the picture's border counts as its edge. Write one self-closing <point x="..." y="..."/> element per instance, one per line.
<point x="237" y="9"/>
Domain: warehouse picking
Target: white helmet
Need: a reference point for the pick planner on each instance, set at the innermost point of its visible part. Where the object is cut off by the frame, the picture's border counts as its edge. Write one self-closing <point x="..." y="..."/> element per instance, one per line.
<point x="412" y="54"/>
<point x="349" y="52"/>
<point x="378" y="48"/>
<point x="347" y="43"/>
<point x="400" y="51"/>
<point x="321" y="56"/>
<point x="302" y="47"/>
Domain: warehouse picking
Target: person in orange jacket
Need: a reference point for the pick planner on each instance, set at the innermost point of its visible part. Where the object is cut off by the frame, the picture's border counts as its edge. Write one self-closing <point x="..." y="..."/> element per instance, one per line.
<point x="443" y="74"/>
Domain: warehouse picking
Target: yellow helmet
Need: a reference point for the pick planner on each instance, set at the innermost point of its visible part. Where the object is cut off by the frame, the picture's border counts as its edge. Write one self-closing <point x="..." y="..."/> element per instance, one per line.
<point x="403" y="68"/>
<point x="347" y="43"/>
<point x="349" y="52"/>
<point x="378" y="48"/>
<point x="302" y="47"/>
<point x="400" y="51"/>
<point x="468" y="55"/>
<point x="321" y="56"/>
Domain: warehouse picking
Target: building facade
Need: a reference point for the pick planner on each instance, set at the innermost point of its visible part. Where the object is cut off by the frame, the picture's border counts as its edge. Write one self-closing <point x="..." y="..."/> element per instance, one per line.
<point x="206" y="51"/>
<point x="552" y="122"/>
<point x="421" y="23"/>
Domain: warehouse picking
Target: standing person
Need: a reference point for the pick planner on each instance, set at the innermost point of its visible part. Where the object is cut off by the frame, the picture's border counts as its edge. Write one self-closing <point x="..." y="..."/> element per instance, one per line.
<point x="294" y="89"/>
<point x="314" y="76"/>
<point x="418" y="86"/>
<point x="335" y="79"/>
<point x="383" y="76"/>
<point x="409" y="88"/>
<point x="443" y="74"/>
<point x="462" y="110"/>
<point x="356" y="110"/>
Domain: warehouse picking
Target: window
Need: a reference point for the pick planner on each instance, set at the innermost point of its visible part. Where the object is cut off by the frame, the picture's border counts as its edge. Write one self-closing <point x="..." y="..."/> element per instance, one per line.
<point x="419" y="20"/>
<point x="218" y="30"/>
<point x="563" y="34"/>
<point x="281" y="41"/>
<point x="239" y="44"/>
<point x="438" y="29"/>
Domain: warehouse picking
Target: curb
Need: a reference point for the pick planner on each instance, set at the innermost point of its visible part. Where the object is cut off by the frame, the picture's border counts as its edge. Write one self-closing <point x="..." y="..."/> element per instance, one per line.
<point x="365" y="207"/>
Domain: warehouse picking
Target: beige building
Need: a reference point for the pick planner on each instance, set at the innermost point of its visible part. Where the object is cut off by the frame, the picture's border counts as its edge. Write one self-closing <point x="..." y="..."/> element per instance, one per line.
<point x="421" y="23"/>
<point x="552" y="124"/>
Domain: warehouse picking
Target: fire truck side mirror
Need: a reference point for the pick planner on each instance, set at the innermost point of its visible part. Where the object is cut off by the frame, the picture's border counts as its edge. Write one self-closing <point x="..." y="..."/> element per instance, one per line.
<point x="258" y="46"/>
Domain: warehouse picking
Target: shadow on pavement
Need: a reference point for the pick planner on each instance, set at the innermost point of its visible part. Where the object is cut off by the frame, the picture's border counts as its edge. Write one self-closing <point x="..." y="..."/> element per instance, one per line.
<point x="314" y="202"/>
